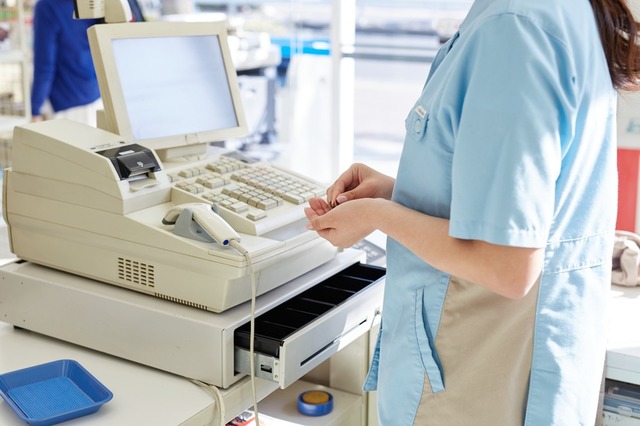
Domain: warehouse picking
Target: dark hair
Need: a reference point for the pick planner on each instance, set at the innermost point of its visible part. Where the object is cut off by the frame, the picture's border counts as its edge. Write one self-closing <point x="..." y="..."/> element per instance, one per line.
<point x="619" y="35"/>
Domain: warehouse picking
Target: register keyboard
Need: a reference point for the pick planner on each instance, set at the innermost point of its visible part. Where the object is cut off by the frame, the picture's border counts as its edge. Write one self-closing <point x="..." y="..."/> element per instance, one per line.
<point x="254" y="199"/>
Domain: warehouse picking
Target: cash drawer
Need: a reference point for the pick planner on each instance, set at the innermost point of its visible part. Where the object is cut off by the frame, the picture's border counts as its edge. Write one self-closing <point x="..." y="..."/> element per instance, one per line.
<point x="299" y="334"/>
<point x="181" y="339"/>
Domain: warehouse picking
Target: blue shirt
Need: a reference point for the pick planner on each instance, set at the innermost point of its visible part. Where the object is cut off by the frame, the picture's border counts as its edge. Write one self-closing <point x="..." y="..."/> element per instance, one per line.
<point x="63" y="70"/>
<point x="513" y="141"/>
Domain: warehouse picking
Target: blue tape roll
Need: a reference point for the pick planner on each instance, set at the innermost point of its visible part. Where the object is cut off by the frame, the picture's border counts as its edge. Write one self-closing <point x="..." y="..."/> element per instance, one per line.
<point x="315" y="403"/>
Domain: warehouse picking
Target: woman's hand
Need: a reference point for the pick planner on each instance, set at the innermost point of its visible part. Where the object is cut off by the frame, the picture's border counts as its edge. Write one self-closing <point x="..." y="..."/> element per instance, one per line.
<point x="360" y="181"/>
<point x="344" y="225"/>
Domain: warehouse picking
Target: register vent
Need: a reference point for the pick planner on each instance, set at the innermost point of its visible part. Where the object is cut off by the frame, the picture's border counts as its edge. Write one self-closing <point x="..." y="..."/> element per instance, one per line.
<point x="135" y="272"/>
<point x="181" y="301"/>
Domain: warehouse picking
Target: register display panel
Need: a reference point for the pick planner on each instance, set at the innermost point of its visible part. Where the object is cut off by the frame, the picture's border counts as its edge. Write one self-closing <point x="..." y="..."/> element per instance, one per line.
<point x="183" y="69"/>
<point x="184" y="78"/>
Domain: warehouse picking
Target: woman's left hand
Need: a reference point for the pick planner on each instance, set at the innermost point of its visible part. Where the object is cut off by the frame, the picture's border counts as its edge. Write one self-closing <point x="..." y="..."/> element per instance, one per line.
<point x="343" y="225"/>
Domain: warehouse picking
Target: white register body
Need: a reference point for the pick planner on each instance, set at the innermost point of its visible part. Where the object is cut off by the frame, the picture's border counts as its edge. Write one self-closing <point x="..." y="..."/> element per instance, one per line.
<point x="82" y="200"/>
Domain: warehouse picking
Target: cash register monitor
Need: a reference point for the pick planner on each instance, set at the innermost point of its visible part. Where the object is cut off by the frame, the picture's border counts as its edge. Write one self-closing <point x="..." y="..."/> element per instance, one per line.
<point x="169" y="86"/>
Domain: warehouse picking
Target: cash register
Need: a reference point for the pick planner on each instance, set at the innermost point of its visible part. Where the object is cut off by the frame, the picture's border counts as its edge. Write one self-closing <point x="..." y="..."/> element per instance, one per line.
<point x="144" y="240"/>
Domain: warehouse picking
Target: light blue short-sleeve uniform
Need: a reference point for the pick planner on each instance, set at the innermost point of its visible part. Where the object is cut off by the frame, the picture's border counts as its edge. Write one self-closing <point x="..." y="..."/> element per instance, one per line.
<point x="513" y="140"/>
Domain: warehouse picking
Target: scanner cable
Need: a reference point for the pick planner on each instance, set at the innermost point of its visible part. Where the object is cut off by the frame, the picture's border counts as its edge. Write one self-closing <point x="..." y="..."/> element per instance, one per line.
<point x="217" y="395"/>
<point x="252" y="334"/>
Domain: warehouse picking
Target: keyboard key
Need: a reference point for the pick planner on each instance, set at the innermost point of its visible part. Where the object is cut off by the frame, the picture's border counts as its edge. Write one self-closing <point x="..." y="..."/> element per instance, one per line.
<point x="267" y="204"/>
<point x="256" y="215"/>
<point x="238" y="207"/>
<point x="293" y="198"/>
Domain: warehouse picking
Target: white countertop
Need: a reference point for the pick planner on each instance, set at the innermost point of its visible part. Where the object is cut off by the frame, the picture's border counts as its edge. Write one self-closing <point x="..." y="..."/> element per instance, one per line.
<point x="141" y="395"/>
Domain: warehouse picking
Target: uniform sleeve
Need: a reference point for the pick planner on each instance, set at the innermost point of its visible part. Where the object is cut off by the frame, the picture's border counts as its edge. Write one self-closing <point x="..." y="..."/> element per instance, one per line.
<point x="508" y="147"/>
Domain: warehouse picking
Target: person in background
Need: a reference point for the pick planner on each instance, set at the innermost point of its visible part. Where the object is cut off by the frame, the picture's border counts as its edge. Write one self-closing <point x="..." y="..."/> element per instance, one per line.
<point x="63" y="72"/>
<point x="5" y="40"/>
<point x="4" y="32"/>
<point x="500" y="221"/>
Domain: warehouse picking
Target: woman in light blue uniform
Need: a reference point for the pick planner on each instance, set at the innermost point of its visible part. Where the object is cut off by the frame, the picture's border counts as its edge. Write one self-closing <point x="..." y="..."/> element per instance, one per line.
<point x="500" y="220"/>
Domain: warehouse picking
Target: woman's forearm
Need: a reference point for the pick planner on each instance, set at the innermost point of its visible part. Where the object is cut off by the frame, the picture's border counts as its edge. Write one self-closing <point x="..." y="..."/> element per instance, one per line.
<point x="508" y="271"/>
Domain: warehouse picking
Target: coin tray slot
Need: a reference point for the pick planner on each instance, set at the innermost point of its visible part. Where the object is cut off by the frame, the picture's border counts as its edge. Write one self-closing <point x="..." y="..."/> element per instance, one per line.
<point x="273" y="327"/>
<point x="288" y="318"/>
<point x="308" y="306"/>
<point x="328" y="295"/>
<point x="346" y="283"/>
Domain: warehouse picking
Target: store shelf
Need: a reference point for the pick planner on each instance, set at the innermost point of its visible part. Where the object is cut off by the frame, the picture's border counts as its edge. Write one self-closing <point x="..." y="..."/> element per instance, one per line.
<point x="280" y="408"/>
<point x="12" y="56"/>
<point x="8" y="122"/>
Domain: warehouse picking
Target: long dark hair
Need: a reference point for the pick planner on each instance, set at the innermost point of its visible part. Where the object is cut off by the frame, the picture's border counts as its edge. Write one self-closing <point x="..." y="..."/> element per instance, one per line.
<point x="619" y="36"/>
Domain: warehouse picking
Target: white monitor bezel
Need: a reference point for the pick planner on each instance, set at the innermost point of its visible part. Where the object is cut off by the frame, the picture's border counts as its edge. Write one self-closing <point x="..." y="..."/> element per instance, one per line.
<point x="115" y="109"/>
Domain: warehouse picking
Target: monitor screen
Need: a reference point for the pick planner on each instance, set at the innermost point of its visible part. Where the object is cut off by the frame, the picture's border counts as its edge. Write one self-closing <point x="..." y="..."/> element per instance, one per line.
<point x="168" y="84"/>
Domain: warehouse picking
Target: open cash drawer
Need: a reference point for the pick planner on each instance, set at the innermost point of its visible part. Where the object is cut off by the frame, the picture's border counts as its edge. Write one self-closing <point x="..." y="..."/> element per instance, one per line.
<point x="298" y="335"/>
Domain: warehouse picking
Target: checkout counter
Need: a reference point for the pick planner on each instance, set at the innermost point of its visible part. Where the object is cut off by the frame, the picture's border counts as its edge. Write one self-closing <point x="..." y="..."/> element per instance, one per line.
<point x="144" y="395"/>
<point x="160" y="252"/>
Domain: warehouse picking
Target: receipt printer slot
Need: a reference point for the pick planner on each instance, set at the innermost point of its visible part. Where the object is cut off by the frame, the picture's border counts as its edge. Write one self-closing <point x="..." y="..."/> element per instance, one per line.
<point x="131" y="160"/>
<point x="304" y="331"/>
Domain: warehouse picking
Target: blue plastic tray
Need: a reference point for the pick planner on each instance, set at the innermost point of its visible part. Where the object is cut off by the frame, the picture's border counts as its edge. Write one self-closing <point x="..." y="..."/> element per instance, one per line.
<point x="54" y="392"/>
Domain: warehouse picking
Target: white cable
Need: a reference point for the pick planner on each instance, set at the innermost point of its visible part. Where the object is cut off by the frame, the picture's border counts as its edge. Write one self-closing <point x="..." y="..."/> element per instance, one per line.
<point x="217" y="396"/>
<point x="373" y="319"/>
<point x="252" y="333"/>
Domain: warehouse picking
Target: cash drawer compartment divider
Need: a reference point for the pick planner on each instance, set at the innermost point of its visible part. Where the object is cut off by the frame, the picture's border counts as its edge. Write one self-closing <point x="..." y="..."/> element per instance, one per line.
<point x="273" y="327"/>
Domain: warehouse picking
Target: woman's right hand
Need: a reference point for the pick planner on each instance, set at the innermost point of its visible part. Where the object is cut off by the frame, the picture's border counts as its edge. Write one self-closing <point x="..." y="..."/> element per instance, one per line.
<point x="359" y="181"/>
